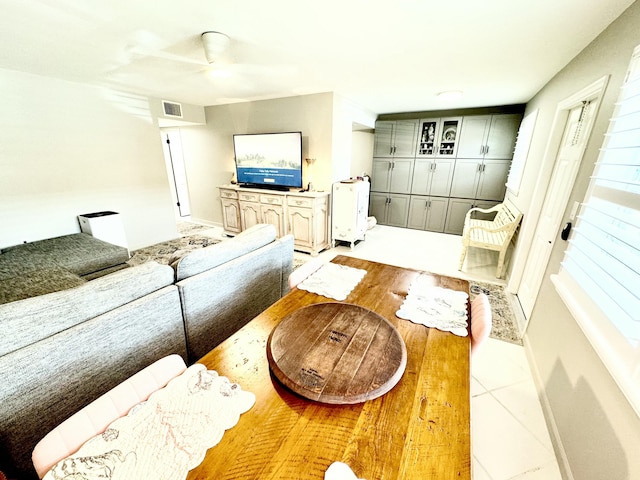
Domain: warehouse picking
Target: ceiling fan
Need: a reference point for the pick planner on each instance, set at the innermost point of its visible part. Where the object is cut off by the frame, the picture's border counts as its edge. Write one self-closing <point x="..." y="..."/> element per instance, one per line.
<point x="212" y="52"/>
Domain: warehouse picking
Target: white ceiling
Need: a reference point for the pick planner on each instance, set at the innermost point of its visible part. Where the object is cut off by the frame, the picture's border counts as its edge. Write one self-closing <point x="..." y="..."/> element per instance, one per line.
<point x="386" y="56"/>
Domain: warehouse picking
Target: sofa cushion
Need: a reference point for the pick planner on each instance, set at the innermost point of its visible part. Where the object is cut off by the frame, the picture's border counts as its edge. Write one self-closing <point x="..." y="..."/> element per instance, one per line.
<point x="79" y="253"/>
<point x="36" y="318"/>
<point x="207" y="258"/>
<point x="38" y="282"/>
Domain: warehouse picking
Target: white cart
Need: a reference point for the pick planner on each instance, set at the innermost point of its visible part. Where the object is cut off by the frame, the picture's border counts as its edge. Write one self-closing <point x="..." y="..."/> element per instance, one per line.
<point x="350" y="208"/>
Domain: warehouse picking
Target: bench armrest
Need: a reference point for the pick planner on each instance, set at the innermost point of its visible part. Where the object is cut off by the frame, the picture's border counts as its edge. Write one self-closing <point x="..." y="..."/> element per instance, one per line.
<point x="495" y="208"/>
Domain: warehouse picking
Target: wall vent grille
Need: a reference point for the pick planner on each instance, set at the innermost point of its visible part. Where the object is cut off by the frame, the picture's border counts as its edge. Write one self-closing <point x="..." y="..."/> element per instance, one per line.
<point x="172" y="109"/>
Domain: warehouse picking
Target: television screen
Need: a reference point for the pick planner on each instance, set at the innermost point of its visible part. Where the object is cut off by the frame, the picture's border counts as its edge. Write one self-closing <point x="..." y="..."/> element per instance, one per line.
<point x="269" y="159"/>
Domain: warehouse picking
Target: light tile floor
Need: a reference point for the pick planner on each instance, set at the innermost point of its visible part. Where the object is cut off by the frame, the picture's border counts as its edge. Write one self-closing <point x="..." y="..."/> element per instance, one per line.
<point x="509" y="433"/>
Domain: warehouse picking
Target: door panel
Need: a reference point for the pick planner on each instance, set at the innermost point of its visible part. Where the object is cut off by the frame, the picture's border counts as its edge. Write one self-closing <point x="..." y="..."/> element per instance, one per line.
<point x="401" y="175"/>
<point x="563" y="176"/>
<point x="465" y="178"/>
<point x="501" y="139"/>
<point x="472" y="136"/>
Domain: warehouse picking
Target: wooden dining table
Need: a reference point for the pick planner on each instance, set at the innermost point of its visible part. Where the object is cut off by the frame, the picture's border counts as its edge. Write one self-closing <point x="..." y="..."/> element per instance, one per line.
<point x="420" y="429"/>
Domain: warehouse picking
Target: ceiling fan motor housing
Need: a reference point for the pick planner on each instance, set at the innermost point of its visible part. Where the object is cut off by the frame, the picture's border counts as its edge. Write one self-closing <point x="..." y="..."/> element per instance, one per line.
<point x="215" y="44"/>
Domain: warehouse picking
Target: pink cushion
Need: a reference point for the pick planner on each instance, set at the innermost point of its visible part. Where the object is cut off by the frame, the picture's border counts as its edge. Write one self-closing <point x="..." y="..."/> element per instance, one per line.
<point x="303" y="271"/>
<point x="93" y="419"/>
<point x="481" y="321"/>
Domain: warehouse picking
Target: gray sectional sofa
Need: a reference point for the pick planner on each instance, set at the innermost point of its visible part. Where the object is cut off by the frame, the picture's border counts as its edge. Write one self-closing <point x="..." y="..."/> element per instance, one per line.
<point x="60" y="351"/>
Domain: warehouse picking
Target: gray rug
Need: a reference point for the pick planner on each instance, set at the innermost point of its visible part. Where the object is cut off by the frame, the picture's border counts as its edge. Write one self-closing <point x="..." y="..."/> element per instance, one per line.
<point x="188" y="228"/>
<point x="166" y="252"/>
<point x="504" y="321"/>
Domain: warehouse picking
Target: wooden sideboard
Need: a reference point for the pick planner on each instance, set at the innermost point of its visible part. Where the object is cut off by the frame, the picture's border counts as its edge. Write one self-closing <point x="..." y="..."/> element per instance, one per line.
<point x="305" y="215"/>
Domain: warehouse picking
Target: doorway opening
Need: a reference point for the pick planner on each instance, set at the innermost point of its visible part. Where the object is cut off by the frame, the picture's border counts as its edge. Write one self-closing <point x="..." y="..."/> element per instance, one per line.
<point x="174" y="160"/>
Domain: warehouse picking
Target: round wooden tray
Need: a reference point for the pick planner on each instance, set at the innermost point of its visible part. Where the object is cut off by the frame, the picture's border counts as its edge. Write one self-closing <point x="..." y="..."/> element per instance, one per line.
<point x="336" y="353"/>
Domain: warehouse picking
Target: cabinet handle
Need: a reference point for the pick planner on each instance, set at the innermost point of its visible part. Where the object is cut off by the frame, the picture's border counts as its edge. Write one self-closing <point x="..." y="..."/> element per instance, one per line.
<point x="479" y="169"/>
<point x="486" y="149"/>
<point x="393" y="165"/>
<point x="433" y="167"/>
<point x="483" y="167"/>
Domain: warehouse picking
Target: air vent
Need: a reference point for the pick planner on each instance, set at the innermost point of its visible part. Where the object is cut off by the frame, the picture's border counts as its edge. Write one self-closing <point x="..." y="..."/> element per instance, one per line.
<point x="172" y="109"/>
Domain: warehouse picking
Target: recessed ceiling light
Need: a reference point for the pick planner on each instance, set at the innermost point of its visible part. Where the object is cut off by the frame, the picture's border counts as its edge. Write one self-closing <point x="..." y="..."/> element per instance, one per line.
<point x="450" y="95"/>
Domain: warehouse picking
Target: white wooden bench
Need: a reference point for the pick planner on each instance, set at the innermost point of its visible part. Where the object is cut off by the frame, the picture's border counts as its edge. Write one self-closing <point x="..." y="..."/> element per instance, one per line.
<point x="493" y="234"/>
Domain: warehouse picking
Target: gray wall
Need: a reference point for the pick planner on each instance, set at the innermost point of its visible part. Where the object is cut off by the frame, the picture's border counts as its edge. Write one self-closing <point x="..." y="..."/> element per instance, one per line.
<point x="598" y="429"/>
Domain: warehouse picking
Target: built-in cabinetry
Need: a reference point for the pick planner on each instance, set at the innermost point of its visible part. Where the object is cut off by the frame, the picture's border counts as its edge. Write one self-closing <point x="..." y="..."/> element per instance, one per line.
<point x="389" y="208"/>
<point x="482" y="165"/>
<point x="305" y="215"/>
<point x="395" y="138"/>
<point x="350" y="207"/>
<point x="458" y="162"/>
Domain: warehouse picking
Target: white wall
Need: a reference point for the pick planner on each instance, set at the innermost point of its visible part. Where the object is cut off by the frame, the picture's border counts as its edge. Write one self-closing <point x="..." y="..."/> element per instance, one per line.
<point x="68" y="149"/>
<point x="598" y="430"/>
<point x="361" y="153"/>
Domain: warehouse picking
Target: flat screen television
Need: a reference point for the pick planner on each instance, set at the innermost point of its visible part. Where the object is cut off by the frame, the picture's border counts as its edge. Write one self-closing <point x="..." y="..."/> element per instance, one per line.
<point x="269" y="160"/>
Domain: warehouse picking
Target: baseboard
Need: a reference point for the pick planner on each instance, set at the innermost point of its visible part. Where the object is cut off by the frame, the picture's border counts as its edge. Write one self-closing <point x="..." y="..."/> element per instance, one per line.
<point x="204" y="222"/>
<point x="558" y="447"/>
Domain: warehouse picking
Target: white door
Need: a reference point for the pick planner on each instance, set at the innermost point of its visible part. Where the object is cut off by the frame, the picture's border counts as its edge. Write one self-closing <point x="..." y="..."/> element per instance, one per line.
<point x="575" y="135"/>
<point x="174" y="159"/>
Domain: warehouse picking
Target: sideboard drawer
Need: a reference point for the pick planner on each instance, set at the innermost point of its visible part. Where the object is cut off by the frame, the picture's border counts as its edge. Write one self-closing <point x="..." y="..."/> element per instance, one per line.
<point x="271" y="199"/>
<point x="228" y="193"/>
<point x="250" y="197"/>
<point x="302" y="202"/>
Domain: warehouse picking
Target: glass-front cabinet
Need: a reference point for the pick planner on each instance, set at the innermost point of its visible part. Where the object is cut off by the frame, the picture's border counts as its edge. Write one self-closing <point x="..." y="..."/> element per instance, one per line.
<point x="438" y="137"/>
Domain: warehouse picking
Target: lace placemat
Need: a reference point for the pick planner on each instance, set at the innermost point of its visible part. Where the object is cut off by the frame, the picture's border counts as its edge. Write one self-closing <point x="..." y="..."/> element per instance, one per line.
<point x="164" y="437"/>
<point x="333" y="281"/>
<point x="435" y="307"/>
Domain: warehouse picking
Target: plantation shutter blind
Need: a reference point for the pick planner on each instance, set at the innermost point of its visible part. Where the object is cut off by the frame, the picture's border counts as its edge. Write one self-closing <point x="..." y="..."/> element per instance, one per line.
<point x="599" y="278"/>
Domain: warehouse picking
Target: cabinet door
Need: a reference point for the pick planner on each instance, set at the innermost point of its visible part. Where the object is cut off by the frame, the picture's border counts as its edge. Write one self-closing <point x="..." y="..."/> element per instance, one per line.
<point x="441" y="177"/>
<point x="493" y="179"/>
<point x="418" y="212"/>
<point x="405" y="138"/>
<point x="428" y="135"/>
<point x="437" y="214"/>
<point x="301" y="226"/>
<point x="421" y="182"/>
<point x="401" y="175"/>
<point x="383" y="139"/>
<point x="378" y="207"/>
<point x="472" y="136"/>
<point x="465" y="178"/>
<point x="249" y="214"/>
<point x="397" y="210"/>
<point x="274" y="214"/>
<point x="501" y="139"/>
<point x="449" y="137"/>
<point x="231" y="215"/>
<point x="458" y="208"/>
<point x="380" y="174"/>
